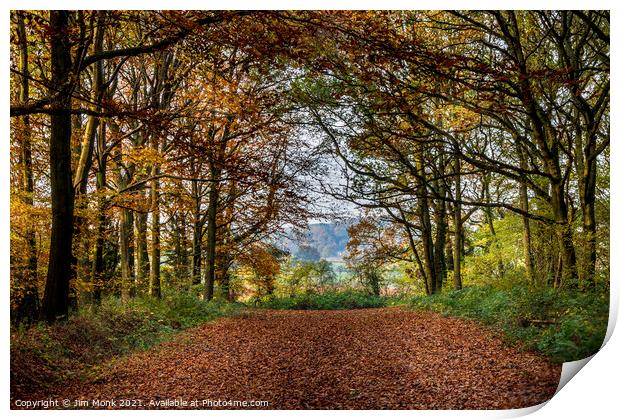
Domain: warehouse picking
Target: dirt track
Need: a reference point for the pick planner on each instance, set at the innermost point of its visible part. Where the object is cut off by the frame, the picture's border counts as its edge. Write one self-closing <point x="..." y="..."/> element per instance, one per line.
<point x="354" y="359"/>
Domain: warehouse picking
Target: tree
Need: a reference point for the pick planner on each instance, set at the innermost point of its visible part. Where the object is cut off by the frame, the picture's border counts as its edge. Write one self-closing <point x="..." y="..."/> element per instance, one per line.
<point x="27" y="307"/>
<point x="56" y="298"/>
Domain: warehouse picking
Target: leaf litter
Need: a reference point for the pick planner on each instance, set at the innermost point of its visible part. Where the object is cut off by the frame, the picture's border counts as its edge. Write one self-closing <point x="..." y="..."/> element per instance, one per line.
<point x="386" y="358"/>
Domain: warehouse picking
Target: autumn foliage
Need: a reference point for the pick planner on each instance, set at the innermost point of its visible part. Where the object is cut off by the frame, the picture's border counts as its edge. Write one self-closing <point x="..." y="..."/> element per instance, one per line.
<point x="163" y="155"/>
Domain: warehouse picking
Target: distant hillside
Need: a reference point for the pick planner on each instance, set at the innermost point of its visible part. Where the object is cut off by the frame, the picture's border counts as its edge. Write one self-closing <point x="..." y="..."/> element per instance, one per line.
<point x="321" y="240"/>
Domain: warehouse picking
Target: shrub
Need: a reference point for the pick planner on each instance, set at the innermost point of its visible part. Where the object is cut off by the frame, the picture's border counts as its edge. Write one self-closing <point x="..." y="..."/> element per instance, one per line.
<point x="327" y="300"/>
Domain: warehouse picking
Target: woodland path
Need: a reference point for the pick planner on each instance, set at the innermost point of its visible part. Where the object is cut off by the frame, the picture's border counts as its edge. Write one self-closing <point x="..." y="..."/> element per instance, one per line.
<point x="389" y="358"/>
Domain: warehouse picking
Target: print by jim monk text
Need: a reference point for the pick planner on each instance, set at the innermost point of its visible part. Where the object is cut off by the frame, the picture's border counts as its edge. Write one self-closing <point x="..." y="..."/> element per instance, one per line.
<point x="134" y="403"/>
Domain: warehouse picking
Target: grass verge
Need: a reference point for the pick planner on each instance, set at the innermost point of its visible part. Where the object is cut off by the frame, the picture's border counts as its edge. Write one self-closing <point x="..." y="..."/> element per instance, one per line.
<point x="562" y="324"/>
<point x="43" y="356"/>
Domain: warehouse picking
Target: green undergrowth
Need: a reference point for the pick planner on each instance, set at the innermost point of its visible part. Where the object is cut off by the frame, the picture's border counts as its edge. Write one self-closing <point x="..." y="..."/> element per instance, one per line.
<point x="327" y="300"/>
<point x="44" y="355"/>
<point x="562" y="324"/>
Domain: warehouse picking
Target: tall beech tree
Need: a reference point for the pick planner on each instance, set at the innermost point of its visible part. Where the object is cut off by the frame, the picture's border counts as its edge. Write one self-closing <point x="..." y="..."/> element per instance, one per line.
<point x="56" y="298"/>
<point x="28" y="299"/>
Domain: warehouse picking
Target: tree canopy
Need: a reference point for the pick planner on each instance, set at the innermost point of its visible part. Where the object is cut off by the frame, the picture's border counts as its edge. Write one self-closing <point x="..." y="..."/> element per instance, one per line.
<point x="151" y="150"/>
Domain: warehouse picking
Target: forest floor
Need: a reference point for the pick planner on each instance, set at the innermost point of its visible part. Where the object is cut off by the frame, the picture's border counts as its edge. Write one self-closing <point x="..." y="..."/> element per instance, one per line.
<point x="388" y="358"/>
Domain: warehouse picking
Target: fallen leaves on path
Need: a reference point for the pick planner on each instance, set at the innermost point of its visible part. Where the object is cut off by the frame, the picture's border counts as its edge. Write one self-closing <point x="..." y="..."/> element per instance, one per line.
<point x="352" y="359"/>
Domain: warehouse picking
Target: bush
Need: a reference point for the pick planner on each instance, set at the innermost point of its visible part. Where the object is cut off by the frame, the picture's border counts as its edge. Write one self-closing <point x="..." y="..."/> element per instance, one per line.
<point x="562" y="324"/>
<point x="327" y="300"/>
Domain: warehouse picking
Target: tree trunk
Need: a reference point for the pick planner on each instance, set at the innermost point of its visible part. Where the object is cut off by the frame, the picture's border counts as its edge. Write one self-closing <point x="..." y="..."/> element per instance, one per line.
<point x="488" y="212"/>
<point x="458" y="226"/>
<point x="125" y="229"/>
<point x="223" y="265"/>
<point x="449" y="253"/>
<point x="125" y="241"/>
<point x="88" y="138"/>
<point x="415" y="253"/>
<point x="155" y="280"/>
<point x="196" y="251"/>
<point x="427" y="243"/>
<point x="87" y="146"/>
<point x="56" y="297"/>
<point x="131" y="253"/>
<point x="440" y="244"/>
<point x="142" y="253"/>
<point x="373" y="278"/>
<point x="197" y="232"/>
<point x="161" y="96"/>
<point x="587" y="199"/>
<point x="440" y="223"/>
<point x="98" y="279"/>
<point x="211" y="236"/>
<point x="564" y="233"/>
<point x="180" y="247"/>
<point x="527" y="241"/>
<point x="425" y="220"/>
<point x="28" y="305"/>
